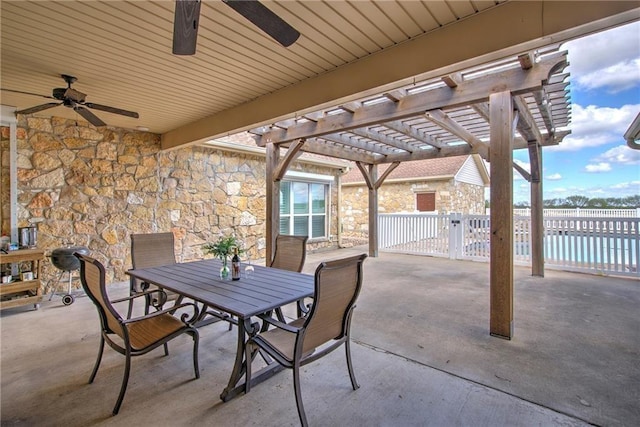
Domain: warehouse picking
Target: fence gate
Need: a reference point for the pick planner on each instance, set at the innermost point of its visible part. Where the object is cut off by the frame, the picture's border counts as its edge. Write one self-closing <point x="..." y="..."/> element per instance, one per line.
<point x="456" y="233"/>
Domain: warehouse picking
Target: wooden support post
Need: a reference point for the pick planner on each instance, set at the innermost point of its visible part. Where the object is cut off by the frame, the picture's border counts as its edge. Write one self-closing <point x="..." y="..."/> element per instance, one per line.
<point x="373" y="212"/>
<point x="272" y="225"/>
<point x="501" y="263"/>
<point x="537" y="208"/>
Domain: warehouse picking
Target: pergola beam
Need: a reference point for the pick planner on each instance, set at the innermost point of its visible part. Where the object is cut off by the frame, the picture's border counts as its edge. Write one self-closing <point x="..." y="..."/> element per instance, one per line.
<point x="522" y="171"/>
<point x="357" y="143"/>
<point x="316" y="146"/>
<point x="292" y="153"/>
<point x="449" y="151"/>
<point x="527" y="125"/>
<point x="444" y="121"/>
<point x="407" y="130"/>
<point x="384" y="139"/>
<point x="468" y="92"/>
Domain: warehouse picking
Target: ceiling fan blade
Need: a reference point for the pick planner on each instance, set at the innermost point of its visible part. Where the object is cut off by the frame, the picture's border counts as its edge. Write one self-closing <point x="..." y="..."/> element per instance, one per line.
<point x="89" y="116"/>
<point x="112" y="110"/>
<point x="185" y="27"/>
<point x="28" y="93"/>
<point x="266" y="20"/>
<point x="39" y="108"/>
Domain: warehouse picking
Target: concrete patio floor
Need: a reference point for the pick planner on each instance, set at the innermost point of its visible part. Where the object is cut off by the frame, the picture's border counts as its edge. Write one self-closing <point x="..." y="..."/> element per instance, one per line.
<point x="422" y="354"/>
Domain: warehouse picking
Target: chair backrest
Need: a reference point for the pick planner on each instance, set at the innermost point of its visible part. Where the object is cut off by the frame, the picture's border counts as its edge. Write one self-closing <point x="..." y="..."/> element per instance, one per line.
<point x="151" y="250"/>
<point x="92" y="276"/>
<point x="290" y="252"/>
<point x="337" y="285"/>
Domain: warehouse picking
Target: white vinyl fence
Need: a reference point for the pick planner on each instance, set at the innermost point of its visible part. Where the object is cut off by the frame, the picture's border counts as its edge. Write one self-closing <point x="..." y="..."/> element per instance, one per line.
<point x="579" y="212"/>
<point x="594" y="245"/>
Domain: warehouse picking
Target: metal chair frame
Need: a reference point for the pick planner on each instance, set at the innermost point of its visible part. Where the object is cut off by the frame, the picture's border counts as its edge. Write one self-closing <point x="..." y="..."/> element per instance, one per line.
<point x="313" y="336"/>
<point x="137" y="334"/>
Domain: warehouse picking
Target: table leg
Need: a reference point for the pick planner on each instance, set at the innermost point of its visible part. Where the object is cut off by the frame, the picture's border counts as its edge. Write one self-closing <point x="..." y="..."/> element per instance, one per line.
<point x="246" y="329"/>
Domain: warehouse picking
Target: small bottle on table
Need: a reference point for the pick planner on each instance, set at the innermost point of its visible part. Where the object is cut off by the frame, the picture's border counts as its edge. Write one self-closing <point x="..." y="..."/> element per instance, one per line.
<point x="235" y="265"/>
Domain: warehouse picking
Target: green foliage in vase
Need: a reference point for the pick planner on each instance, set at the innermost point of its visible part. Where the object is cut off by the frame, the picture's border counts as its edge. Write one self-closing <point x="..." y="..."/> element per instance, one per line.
<point x="223" y="248"/>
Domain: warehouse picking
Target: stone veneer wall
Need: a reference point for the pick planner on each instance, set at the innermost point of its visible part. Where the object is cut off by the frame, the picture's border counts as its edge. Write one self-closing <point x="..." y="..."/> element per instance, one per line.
<point x="451" y="196"/>
<point x="94" y="187"/>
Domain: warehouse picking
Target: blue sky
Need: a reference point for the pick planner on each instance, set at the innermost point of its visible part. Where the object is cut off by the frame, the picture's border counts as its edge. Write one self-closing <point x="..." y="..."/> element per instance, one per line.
<point x="594" y="160"/>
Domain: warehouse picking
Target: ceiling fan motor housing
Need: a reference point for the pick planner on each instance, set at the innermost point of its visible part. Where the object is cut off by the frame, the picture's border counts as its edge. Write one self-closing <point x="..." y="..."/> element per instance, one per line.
<point x="74" y="95"/>
<point x="58" y="93"/>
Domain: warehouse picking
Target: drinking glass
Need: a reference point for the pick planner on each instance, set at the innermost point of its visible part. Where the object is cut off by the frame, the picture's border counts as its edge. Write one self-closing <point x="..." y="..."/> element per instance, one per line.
<point x="248" y="268"/>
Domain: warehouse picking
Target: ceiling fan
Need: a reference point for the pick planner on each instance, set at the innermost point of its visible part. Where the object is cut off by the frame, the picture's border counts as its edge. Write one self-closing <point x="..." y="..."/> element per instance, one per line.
<point x="187" y="14"/>
<point x="72" y="98"/>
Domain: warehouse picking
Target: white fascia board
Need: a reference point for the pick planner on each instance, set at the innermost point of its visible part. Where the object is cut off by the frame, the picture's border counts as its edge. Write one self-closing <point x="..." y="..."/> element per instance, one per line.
<point x="306" y="176"/>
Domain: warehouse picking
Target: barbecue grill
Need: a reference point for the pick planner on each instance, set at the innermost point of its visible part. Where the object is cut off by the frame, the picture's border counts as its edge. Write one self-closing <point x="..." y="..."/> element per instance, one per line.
<point x="64" y="260"/>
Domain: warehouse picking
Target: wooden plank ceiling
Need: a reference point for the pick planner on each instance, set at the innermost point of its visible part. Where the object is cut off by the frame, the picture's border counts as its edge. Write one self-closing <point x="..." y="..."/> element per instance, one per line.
<point x="440" y="117"/>
<point x="120" y="51"/>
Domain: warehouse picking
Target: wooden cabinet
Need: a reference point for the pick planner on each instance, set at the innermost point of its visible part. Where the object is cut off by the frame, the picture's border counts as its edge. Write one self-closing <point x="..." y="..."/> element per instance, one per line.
<point x="22" y="292"/>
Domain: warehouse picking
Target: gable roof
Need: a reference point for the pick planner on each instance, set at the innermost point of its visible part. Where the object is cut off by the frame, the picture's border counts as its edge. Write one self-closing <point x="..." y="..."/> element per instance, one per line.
<point x="428" y="169"/>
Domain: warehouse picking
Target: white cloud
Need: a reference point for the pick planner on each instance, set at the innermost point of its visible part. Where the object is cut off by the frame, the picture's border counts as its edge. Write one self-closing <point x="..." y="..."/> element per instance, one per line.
<point x="554" y="177"/>
<point x="599" y="167"/>
<point x="597" y="57"/>
<point x="623" y="189"/>
<point x="593" y="126"/>
<point x="633" y="185"/>
<point x="622" y="154"/>
<point x="558" y="191"/>
<point x="615" y="78"/>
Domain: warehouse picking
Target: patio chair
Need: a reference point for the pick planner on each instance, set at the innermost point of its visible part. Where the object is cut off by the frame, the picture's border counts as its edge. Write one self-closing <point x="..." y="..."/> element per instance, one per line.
<point x="290" y="254"/>
<point x="139" y="335"/>
<point x="152" y="250"/>
<point x="327" y="325"/>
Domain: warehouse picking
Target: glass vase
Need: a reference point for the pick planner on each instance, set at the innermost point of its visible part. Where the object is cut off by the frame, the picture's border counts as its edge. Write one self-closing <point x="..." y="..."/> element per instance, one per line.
<point x="225" y="272"/>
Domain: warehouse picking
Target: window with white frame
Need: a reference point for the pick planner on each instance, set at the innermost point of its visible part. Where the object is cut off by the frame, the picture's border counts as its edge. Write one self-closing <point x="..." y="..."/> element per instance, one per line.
<point x="304" y="207"/>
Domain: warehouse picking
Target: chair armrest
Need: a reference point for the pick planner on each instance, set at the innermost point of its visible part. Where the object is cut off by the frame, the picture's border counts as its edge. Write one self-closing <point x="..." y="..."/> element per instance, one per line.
<point x="184" y="317"/>
<point x="278" y="324"/>
<point x="136" y="295"/>
<point x="303" y="308"/>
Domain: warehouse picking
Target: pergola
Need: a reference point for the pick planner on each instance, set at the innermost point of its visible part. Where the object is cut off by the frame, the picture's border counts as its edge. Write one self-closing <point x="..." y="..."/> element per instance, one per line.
<point x="516" y="103"/>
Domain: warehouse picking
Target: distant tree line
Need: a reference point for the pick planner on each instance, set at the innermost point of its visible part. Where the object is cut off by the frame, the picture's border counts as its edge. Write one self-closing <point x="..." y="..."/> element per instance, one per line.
<point x="584" y="202"/>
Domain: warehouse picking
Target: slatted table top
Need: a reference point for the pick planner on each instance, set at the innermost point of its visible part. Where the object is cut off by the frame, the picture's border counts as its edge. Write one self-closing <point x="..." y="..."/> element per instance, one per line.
<point x="262" y="291"/>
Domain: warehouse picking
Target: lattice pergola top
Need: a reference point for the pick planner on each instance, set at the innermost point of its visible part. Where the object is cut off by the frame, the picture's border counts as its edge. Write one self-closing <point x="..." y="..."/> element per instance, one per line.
<point x="447" y="116"/>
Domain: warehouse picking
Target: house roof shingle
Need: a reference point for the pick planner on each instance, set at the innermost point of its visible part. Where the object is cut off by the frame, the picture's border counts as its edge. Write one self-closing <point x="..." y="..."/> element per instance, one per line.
<point x="428" y="168"/>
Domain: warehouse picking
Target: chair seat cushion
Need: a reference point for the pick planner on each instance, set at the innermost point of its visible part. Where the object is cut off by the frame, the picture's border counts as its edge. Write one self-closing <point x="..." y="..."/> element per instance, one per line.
<point x="146" y="332"/>
<point x="282" y="341"/>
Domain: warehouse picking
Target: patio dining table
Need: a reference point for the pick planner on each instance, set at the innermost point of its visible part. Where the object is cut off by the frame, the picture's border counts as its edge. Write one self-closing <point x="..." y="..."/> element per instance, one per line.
<point x="260" y="292"/>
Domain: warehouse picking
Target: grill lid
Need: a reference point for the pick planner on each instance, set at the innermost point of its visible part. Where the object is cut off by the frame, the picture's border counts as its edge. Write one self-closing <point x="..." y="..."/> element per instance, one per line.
<point x="63" y="259"/>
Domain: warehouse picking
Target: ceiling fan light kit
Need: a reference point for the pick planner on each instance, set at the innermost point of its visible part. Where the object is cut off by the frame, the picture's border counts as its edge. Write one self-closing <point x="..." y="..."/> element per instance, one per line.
<point x="187" y="15"/>
<point x="75" y="99"/>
